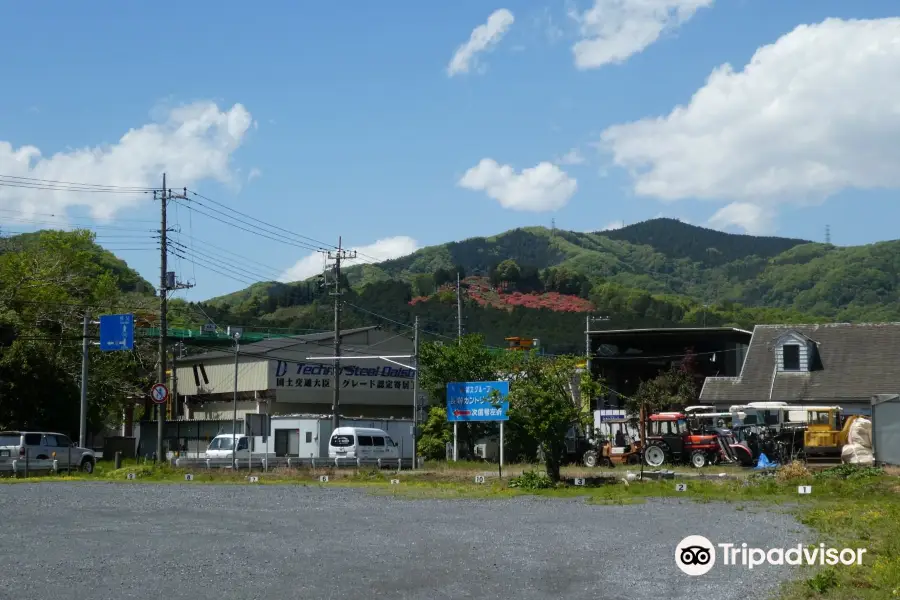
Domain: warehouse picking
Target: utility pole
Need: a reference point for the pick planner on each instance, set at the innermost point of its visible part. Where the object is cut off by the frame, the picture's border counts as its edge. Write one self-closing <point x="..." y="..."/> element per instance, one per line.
<point x="167" y="283"/>
<point x="163" y="324"/>
<point x="237" y="350"/>
<point x="587" y="340"/>
<point x="85" y="358"/>
<point x="337" y="257"/>
<point x="415" y="388"/>
<point x="458" y="312"/>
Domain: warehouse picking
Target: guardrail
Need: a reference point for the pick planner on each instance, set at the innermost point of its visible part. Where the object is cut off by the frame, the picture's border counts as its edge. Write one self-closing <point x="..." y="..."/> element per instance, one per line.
<point x="20" y="466"/>
<point x="266" y="463"/>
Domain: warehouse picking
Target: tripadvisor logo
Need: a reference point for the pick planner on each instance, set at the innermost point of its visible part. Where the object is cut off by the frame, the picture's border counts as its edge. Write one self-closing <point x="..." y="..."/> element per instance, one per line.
<point x="696" y="555"/>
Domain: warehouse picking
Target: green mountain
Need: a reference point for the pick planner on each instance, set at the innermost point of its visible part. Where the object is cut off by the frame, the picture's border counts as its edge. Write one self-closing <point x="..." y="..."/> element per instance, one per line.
<point x="105" y="261"/>
<point x="539" y="282"/>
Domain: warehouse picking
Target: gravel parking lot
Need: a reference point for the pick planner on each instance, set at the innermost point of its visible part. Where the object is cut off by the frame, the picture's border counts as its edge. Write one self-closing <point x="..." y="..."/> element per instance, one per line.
<point x="80" y="541"/>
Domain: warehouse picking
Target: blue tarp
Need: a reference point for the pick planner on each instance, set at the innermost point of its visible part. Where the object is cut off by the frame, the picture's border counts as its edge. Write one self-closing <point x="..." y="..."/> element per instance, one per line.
<point x="765" y="463"/>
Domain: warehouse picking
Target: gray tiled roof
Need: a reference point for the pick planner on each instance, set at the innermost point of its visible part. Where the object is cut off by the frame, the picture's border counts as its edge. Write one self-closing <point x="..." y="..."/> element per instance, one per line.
<point x="857" y="361"/>
<point x="260" y="349"/>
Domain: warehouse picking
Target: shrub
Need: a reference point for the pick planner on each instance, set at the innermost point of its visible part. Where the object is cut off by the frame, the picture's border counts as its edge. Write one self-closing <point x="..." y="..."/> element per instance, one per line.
<point x="792" y="471"/>
<point x="531" y="480"/>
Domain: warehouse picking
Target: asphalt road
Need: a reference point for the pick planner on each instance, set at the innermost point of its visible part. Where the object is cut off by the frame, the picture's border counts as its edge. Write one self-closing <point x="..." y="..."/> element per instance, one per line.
<point x="87" y="541"/>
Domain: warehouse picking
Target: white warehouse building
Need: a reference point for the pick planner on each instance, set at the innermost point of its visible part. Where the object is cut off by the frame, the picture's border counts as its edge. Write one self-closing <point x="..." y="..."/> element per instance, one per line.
<point x="291" y="375"/>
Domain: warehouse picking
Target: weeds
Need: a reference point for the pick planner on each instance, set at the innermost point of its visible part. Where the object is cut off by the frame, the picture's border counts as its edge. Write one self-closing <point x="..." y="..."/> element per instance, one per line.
<point x="792" y="472"/>
<point x="532" y="480"/>
<point x="850" y="472"/>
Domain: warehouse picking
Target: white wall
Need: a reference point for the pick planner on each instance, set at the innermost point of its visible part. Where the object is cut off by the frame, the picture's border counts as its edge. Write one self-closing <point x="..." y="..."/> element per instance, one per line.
<point x="253" y="376"/>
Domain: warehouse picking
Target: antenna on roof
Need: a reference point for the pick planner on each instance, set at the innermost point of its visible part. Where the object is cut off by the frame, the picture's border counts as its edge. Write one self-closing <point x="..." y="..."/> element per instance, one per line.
<point x="828" y="234"/>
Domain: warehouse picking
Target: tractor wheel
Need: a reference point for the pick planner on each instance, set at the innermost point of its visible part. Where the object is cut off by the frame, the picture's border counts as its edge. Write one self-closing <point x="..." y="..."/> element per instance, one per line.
<point x="654" y="455"/>
<point x="608" y="463"/>
<point x="633" y="459"/>
<point x="590" y="459"/>
<point x="699" y="459"/>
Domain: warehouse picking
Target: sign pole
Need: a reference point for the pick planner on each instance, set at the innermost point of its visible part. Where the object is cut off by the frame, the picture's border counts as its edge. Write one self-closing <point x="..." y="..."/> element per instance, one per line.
<point x="501" y="447"/>
<point x="415" y="415"/>
<point x="455" y="442"/>
<point x="85" y="359"/>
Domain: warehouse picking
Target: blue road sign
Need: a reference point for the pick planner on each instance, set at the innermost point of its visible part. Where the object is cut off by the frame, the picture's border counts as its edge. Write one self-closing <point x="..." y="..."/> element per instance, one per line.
<point x="116" y="332"/>
<point x="474" y="401"/>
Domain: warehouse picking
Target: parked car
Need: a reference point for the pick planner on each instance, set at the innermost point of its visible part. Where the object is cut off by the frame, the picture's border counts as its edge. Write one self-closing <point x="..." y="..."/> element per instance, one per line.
<point x="43" y="445"/>
<point x="360" y="442"/>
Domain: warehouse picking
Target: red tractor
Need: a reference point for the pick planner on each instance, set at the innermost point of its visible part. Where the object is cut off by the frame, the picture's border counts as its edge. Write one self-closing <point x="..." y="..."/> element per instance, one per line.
<point x="670" y="439"/>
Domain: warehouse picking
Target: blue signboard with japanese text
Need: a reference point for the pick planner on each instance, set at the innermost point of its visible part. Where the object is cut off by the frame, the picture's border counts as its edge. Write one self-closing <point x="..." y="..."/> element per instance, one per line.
<point x="478" y="401"/>
<point x="116" y="332"/>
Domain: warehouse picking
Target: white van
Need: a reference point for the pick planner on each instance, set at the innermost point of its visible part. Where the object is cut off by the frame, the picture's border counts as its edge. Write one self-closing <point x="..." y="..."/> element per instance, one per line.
<point x="361" y="442"/>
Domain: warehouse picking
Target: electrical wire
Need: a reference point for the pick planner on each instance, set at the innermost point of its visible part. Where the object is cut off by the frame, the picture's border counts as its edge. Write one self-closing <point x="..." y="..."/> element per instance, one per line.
<point x="88" y="186"/>
<point x="224" y="263"/>
<point x="322" y="245"/>
<point x="237" y="257"/>
<point x="261" y="234"/>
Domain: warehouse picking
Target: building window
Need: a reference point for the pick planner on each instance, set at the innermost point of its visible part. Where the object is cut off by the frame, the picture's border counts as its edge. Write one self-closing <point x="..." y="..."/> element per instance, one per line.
<point x="791" y="356"/>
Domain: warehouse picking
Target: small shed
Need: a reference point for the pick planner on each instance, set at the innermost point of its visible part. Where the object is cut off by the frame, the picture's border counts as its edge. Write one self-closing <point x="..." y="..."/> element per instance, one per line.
<point x="886" y="429"/>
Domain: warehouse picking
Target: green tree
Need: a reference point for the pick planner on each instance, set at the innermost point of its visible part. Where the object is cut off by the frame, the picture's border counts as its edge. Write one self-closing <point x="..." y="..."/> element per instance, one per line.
<point x="508" y="272"/>
<point x="470" y="360"/>
<point x="432" y="442"/>
<point x="547" y="396"/>
<point x="442" y="276"/>
<point x="47" y="283"/>
<point x="672" y="389"/>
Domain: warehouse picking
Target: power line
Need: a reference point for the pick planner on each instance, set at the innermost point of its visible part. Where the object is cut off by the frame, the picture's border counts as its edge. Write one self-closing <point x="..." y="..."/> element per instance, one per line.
<point x="259" y="233"/>
<point x="194" y="254"/>
<point x="91" y="186"/>
<point x="237" y="257"/>
<point x="209" y="267"/>
<point x="322" y="245"/>
<point x="65" y="216"/>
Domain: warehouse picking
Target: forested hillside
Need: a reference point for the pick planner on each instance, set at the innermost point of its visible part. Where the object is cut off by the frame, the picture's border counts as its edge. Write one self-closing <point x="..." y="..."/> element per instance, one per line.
<point x="660" y="272"/>
<point x="48" y="282"/>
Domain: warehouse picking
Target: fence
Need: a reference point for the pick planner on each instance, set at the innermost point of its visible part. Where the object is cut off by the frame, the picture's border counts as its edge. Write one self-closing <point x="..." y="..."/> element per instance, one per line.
<point x="266" y="463"/>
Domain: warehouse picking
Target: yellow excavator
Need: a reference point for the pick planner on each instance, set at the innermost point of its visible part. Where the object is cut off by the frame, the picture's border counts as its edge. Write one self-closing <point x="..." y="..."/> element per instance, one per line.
<point x="825" y="436"/>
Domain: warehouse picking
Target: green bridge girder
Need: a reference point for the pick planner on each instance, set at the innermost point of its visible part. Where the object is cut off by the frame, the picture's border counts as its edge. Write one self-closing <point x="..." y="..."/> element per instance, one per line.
<point x="199" y="337"/>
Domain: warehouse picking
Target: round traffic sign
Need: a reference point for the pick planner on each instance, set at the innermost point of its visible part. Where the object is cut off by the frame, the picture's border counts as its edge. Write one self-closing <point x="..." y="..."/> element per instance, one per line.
<point x="159" y="393"/>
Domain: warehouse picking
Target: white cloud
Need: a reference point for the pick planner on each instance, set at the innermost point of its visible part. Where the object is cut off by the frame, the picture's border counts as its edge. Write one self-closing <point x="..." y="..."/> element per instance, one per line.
<point x="614" y="225"/>
<point x="483" y="38"/>
<point x="752" y="218"/>
<point x="541" y="188"/>
<point x="254" y="173"/>
<point x="384" y="249"/>
<point x="572" y="157"/>
<point x="613" y="30"/>
<point x="194" y="143"/>
<point x="810" y="115"/>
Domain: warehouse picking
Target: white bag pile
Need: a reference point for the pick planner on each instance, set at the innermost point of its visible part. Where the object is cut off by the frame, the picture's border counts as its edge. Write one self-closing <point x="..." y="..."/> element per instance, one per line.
<point x="858" y="450"/>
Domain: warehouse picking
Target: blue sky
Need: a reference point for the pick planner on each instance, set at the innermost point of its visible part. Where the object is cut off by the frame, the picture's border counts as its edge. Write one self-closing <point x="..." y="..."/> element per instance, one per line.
<point x="342" y="119"/>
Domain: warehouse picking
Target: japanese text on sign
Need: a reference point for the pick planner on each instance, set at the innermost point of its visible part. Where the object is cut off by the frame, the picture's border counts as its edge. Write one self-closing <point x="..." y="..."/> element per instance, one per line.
<point x="477" y="401"/>
<point x="352" y="377"/>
